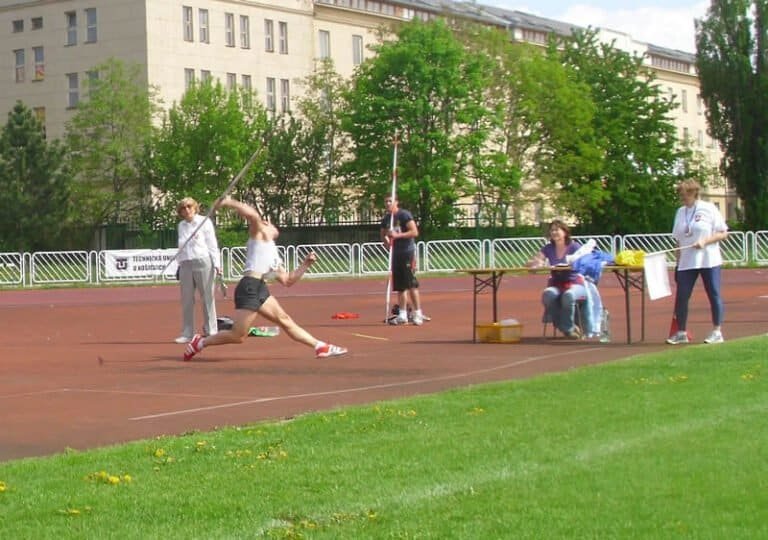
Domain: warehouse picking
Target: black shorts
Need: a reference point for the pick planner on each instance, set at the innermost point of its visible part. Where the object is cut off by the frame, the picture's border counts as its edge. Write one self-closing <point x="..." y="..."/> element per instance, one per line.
<point x="402" y="272"/>
<point x="251" y="293"/>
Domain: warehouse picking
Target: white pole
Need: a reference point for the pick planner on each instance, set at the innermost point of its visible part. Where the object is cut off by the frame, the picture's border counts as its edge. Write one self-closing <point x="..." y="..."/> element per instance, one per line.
<point x="393" y="195"/>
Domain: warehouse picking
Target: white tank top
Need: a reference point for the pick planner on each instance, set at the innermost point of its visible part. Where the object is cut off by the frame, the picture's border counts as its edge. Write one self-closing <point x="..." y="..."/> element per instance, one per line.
<point x="262" y="258"/>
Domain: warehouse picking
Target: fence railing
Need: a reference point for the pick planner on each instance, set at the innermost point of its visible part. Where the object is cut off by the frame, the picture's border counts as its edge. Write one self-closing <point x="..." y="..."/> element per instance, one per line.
<point x="335" y="260"/>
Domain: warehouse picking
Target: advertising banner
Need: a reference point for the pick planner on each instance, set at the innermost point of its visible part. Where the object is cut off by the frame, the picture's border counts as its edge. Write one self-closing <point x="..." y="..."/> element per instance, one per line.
<point x="139" y="263"/>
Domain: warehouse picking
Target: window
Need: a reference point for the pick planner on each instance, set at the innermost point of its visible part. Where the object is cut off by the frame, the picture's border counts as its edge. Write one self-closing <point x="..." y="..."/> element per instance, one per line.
<point x="71" y="18"/>
<point x="686" y="135"/>
<point x="39" y="113"/>
<point x="271" y="105"/>
<point x="20" y="62"/>
<point x="246" y="83"/>
<point x="325" y="44"/>
<point x="205" y="75"/>
<point x="17" y="26"/>
<point x="90" y="23"/>
<point x="700" y="139"/>
<point x="189" y="78"/>
<point x="245" y="32"/>
<point x="684" y="100"/>
<point x="283" y="37"/>
<point x="357" y="50"/>
<point x="699" y="104"/>
<point x="203" y="16"/>
<point x="269" y="35"/>
<point x="92" y="78"/>
<point x="37" y="24"/>
<point x="189" y="31"/>
<point x="285" y="95"/>
<point x="231" y="81"/>
<point x="39" y="54"/>
<point x="229" y="29"/>
<point x="73" y="90"/>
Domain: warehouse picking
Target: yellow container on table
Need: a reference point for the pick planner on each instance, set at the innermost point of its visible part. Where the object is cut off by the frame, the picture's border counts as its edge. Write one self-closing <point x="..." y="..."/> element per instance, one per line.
<point x="506" y="331"/>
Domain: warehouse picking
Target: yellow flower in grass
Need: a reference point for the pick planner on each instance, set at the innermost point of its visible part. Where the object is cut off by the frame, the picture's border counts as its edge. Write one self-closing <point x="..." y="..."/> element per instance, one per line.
<point x="2" y="486"/>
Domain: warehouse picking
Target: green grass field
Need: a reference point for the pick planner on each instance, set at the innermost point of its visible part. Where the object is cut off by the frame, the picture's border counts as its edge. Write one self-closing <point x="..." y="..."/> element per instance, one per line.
<point x="670" y="445"/>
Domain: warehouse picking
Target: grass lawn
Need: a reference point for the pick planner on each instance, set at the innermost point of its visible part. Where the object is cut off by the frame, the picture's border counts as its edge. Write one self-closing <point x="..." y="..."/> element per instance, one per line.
<point x="669" y="445"/>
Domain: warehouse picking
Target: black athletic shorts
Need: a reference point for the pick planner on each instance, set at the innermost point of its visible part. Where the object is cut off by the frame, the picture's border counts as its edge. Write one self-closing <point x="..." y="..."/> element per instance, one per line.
<point x="402" y="272"/>
<point x="251" y="293"/>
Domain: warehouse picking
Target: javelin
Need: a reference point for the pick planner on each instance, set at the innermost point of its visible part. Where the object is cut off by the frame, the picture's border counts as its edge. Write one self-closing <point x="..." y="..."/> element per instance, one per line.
<point x="212" y="209"/>
<point x="392" y="226"/>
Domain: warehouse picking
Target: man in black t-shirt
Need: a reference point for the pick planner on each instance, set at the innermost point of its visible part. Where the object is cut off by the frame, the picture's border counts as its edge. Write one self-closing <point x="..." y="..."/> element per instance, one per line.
<point x="398" y="232"/>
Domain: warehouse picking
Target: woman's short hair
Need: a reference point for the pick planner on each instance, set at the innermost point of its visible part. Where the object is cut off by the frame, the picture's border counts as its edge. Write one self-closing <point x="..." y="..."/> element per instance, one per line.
<point x="187" y="201"/>
<point x="560" y="225"/>
<point x="689" y="186"/>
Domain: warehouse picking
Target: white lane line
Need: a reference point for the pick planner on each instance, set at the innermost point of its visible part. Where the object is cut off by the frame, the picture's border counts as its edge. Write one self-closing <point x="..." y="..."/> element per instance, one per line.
<point x="369" y="337"/>
<point x="359" y="388"/>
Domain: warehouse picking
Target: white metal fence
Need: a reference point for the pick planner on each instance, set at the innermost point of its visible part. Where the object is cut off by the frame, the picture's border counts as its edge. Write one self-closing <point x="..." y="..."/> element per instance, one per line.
<point x="335" y="260"/>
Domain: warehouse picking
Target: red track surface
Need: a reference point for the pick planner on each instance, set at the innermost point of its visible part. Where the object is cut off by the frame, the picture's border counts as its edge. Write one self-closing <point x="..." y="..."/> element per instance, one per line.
<point x="82" y="368"/>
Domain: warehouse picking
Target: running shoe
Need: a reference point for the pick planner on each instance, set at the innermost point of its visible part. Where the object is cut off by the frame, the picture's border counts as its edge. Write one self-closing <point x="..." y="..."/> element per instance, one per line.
<point x="680" y="337"/>
<point x="193" y="347"/>
<point x="326" y="350"/>
<point x="715" y="337"/>
<point x="181" y="340"/>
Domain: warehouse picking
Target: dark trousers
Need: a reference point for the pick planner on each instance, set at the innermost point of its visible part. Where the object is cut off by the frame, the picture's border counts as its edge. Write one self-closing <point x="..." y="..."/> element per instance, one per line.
<point x="686" y="279"/>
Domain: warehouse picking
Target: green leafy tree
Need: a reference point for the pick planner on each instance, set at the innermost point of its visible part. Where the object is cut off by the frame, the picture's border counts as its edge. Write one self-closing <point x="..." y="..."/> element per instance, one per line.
<point x="107" y="139"/>
<point x="425" y="87"/>
<point x="732" y="51"/>
<point x="546" y="128"/>
<point x="634" y="191"/>
<point x="300" y="180"/>
<point x="34" y="185"/>
<point x="203" y="142"/>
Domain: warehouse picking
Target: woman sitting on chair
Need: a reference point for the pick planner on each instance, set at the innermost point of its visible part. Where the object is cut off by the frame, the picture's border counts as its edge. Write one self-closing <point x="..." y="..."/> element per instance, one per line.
<point x="565" y="287"/>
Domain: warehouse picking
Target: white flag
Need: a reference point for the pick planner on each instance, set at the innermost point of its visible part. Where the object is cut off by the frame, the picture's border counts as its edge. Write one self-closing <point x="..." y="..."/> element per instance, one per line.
<point x="656" y="275"/>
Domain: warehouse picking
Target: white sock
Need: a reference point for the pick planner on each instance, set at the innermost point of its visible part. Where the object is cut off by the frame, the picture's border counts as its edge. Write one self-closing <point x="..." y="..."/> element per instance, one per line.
<point x="402" y="315"/>
<point x="418" y="313"/>
<point x="320" y="344"/>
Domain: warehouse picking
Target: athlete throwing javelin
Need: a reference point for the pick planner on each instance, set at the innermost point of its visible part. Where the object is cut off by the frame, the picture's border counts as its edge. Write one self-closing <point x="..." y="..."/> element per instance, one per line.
<point x="252" y="296"/>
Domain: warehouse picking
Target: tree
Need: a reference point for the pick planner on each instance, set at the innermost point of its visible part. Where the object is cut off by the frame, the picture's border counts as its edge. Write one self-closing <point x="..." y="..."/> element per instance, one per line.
<point x="34" y="185"/>
<point x="107" y="138"/>
<point x="203" y="142"/>
<point x="426" y="88"/>
<point x="546" y="130"/>
<point x="634" y="190"/>
<point x="731" y="55"/>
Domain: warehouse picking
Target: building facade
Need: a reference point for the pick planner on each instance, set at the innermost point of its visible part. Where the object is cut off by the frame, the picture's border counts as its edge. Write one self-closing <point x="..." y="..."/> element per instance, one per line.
<point x="51" y="47"/>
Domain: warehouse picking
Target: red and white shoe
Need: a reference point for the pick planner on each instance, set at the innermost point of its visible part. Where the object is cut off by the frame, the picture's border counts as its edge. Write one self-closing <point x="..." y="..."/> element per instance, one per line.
<point x="327" y="350"/>
<point x="193" y="347"/>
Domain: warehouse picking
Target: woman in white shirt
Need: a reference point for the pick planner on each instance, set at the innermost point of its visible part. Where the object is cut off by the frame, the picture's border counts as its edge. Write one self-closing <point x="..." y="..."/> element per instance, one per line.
<point x="199" y="264"/>
<point x="698" y="229"/>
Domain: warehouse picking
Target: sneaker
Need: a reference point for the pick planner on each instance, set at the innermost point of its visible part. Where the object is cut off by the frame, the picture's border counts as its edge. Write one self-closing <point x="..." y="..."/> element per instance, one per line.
<point x="574" y="333"/>
<point x="418" y="320"/>
<point x="715" y="337"/>
<point x="680" y="337"/>
<point x="397" y="321"/>
<point x="193" y="347"/>
<point x="326" y="350"/>
<point x="182" y="339"/>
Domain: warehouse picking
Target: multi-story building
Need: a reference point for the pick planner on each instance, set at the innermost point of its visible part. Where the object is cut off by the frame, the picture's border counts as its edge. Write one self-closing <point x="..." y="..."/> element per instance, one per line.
<point x="51" y="47"/>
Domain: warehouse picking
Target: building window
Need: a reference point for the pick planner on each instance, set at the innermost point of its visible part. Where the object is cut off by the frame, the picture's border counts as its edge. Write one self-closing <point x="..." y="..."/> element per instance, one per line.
<point x="92" y="77"/>
<point x="189" y="78"/>
<point x="285" y="95"/>
<point x="39" y="55"/>
<point x="325" y="44"/>
<point x="73" y="90"/>
<point x="231" y="81"/>
<point x="699" y="104"/>
<point x="245" y="82"/>
<point x="686" y="135"/>
<point x="20" y="65"/>
<point x="204" y="35"/>
<point x="189" y="30"/>
<point x="90" y="22"/>
<point x="283" y="37"/>
<point x="71" y="18"/>
<point x="229" y="29"/>
<point x="205" y="75"/>
<point x="357" y="50"/>
<point x="39" y="113"/>
<point x="37" y="24"/>
<point x="269" y="35"/>
<point x="17" y="26"/>
<point x="700" y="139"/>
<point x="271" y="103"/>
<point x="684" y="100"/>
<point x="245" y="32"/>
